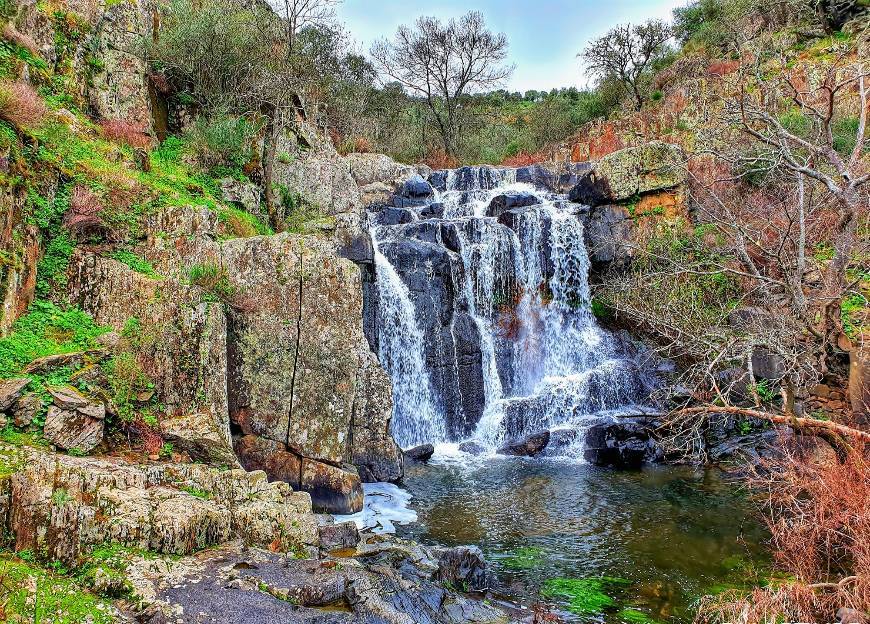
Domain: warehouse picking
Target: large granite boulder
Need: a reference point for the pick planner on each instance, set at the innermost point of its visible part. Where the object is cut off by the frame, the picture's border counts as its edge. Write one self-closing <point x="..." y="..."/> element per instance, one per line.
<point x="300" y="373"/>
<point x="632" y="171"/>
<point x="625" y="443"/>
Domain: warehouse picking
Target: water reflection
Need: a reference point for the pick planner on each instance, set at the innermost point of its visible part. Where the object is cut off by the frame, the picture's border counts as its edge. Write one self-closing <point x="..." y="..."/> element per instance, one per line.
<point x="674" y="533"/>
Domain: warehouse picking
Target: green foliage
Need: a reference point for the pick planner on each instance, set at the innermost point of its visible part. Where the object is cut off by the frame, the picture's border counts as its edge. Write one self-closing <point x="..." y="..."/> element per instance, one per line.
<point x="46" y="330"/>
<point x="222" y="139"/>
<point x="765" y="391"/>
<point x="586" y="596"/>
<point x="241" y="224"/>
<point x="138" y="264"/>
<point x="52" y="267"/>
<point x="214" y="280"/>
<point x="197" y="492"/>
<point x="126" y="381"/>
<point x="635" y="616"/>
<point x="852" y="309"/>
<point x="34" y="594"/>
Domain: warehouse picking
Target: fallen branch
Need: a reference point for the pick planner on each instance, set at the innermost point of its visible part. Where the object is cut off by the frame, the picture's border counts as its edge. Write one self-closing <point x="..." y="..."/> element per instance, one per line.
<point x="780" y="419"/>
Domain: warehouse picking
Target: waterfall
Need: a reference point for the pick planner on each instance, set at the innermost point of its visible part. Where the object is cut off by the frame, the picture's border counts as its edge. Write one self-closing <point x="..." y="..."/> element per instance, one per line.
<point x="416" y="419"/>
<point x="484" y="314"/>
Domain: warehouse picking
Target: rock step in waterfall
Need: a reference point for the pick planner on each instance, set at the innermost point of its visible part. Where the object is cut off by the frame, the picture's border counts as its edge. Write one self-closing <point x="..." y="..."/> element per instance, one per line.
<point x="480" y="311"/>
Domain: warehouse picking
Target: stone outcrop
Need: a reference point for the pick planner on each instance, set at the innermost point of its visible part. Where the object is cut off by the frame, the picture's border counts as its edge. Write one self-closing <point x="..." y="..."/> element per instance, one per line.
<point x="58" y="506"/>
<point x="20" y="252"/>
<point x="182" y="346"/>
<point x="633" y="171"/>
<point x="300" y="374"/>
<point x="385" y="581"/>
<point x="530" y="446"/>
<point x="622" y="443"/>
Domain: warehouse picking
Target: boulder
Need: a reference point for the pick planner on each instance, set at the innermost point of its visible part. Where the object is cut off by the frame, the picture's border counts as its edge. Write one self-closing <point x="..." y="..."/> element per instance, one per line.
<point x="509" y="201"/>
<point x="420" y="454"/>
<point x="527" y="447"/>
<point x="245" y="194"/>
<point x="337" y="536"/>
<point x="373" y="450"/>
<point x="73" y="430"/>
<point x="462" y="566"/>
<point x="623" y="444"/>
<point x="629" y="172"/>
<point x="11" y="390"/>
<point x="27" y="409"/>
<point x="610" y="232"/>
<point x="333" y="490"/>
<point x="271" y="457"/>
<point x="435" y="210"/>
<point x="389" y="215"/>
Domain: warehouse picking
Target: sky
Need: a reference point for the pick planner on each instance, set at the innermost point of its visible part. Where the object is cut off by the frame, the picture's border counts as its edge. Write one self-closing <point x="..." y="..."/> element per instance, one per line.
<point x="545" y="35"/>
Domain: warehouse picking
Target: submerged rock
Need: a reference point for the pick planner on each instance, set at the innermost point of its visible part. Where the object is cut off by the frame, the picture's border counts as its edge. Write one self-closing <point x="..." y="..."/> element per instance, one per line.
<point x="333" y="490"/>
<point x="528" y="447"/>
<point x="472" y="448"/>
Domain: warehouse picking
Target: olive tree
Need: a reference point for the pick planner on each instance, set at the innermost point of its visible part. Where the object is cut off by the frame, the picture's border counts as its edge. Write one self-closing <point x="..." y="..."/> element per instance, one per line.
<point x="627" y="53"/>
<point x="443" y="63"/>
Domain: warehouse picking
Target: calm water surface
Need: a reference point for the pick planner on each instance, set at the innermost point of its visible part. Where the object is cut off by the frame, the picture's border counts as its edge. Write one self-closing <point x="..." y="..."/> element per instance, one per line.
<point x="670" y="534"/>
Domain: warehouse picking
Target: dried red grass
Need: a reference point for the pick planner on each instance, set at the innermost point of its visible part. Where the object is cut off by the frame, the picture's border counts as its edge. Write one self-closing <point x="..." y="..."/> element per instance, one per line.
<point x="152" y="441"/>
<point x="12" y="35"/>
<point x="125" y="132"/>
<point x="722" y="68"/>
<point x="21" y="105"/>
<point x="83" y="217"/>
<point x="818" y="513"/>
<point x="439" y="159"/>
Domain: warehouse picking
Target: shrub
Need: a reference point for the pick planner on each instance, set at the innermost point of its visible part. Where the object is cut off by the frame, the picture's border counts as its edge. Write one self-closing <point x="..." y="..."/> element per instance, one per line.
<point x="214" y="280"/>
<point x="127" y="380"/>
<point x="20" y="105"/>
<point x="125" y="132"/>
<point x="52" y="267"/>
<point x="222" y="140"/>
<point x="240" y="224"/>
<point x="83" y="218"/>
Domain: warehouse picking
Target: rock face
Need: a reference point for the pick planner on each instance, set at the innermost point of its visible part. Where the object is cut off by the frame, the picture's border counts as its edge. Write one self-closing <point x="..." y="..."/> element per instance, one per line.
<point x="183" y="346"/>
<point x="60" y="505"/>
<point x="630" y="172"/>
<point x="19" y="245"/>
<point x="387" y="581"/>
<point x="300" y="374"/>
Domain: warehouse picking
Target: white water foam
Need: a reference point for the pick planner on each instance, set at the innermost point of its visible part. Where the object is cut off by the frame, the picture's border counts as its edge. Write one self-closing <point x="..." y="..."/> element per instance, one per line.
<point x="385" y="505"/>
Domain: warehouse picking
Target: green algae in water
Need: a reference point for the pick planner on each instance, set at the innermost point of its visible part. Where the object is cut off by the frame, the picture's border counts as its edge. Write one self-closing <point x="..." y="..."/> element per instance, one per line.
<point x="525" y="558"/>
<point x="584" y="596"/>
<point x="635" y="616"/>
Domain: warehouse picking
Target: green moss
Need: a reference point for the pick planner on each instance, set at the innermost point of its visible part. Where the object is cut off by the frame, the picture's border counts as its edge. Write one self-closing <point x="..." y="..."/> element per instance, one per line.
<point x="34" y="594"/>
<point x="214" y="280"/>
<point x="240" y="224"/>
<point x="46" y="330"/>
<point x="525" y="558"/>
<point x="852" y="309"/>
<point x="586" y="596"/>
<point x="138" y="264"/>
<point x="197" y="492"/>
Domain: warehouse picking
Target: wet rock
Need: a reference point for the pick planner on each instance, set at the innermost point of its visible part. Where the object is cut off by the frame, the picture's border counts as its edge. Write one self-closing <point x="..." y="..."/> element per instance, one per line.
<point x="359" y="250"/>
<point x="420" y="453"/>
<point x="336" y="536"/>
<point x="389" y="215"/>
<point x="629" y="172"/>
<point x="528" y="447"/>
<point x="509" y="201"/>
<point x="373" y="450"/>
<point x="11" y="390"/>
<point x="472" y="448"/>
<point x="435" y="210"/>
<point x="333" y="490"/>
<point x="610" y="237"/>
<point x="72" y="430"/>
<point x="26" y="409"/>
<point x="272" y="457"/>
<point x="462" y="566"/>
<point x="624" y="444"/>
<point x="416" y="187"/>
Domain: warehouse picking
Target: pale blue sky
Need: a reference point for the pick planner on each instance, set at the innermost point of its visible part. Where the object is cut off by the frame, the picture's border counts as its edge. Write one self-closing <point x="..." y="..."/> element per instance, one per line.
<point x="545" y="35"/>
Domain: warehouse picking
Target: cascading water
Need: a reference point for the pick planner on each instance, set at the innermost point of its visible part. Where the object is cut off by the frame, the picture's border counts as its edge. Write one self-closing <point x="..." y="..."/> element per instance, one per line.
<point x="484" y="318"/>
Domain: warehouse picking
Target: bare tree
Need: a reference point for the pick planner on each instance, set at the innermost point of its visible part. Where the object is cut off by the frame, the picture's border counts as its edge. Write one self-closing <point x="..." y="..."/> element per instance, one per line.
<point x="299" y="14"/>
<point x="627" y="53"/>
<point x="761" y="280"/>
<point x="443" y="63"/>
